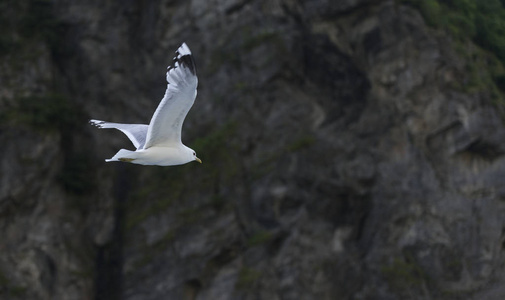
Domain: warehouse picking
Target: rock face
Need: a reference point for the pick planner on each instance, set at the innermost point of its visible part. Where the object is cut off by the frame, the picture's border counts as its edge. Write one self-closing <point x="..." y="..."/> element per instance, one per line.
<point x="343" y="156"/>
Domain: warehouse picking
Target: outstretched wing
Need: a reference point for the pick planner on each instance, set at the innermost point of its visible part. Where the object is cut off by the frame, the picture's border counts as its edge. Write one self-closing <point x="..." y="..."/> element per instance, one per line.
<point x="166" y="124"/>
<point x="135" y="132"/>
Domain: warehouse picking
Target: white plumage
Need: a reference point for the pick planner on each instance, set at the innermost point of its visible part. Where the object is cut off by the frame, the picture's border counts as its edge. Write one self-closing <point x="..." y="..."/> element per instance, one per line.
<point x="159" y="143"/>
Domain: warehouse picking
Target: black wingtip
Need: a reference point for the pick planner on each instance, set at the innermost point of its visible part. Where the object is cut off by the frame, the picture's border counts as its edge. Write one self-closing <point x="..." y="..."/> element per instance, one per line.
<point x="184" y="57"/>
<point x="188" y="62"/>
<point x="96" y="123"/>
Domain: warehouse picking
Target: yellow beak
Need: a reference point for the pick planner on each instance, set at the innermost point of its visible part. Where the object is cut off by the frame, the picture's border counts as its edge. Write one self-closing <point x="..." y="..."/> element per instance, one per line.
<point x="198" y="160"/>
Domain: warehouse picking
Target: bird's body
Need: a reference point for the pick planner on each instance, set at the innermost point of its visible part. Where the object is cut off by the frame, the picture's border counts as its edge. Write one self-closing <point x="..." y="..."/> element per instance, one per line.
<point x="159" y="143"/>
<point x="160" y="156"/>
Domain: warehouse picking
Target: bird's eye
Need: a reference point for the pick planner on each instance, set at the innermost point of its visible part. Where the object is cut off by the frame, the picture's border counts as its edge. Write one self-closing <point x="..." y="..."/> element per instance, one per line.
<point x="194" y="154"/>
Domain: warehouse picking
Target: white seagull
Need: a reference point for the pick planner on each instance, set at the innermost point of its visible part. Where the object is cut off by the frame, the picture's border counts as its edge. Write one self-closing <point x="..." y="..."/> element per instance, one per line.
<point x="159" y="143"/>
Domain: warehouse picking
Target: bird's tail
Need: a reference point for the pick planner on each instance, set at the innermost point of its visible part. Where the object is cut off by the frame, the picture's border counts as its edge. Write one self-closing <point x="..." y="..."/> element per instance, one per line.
<point x="124" y="155"/>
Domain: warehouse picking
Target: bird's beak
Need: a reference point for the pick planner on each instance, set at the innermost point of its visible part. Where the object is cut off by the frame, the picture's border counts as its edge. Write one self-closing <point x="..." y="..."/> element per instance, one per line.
<point x="198" y="160"/>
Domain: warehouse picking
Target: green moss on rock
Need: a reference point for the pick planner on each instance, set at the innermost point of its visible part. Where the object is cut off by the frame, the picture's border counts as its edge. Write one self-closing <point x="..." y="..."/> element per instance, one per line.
<point x="404" y="275"/>
<point x="247" y="277"/>
<point x="259" y="238"/>
<point x="51" y="111"/>
<point x="483" y="23"/>
<point x="9" y="290"/>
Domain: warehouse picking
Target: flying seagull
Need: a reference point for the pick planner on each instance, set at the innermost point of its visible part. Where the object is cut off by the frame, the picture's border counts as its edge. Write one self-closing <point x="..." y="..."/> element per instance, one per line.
<point x="159" y="143"/>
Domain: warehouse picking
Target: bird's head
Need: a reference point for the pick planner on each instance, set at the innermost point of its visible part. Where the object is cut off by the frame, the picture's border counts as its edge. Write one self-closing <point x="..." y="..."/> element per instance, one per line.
<point x="193" y="153"/>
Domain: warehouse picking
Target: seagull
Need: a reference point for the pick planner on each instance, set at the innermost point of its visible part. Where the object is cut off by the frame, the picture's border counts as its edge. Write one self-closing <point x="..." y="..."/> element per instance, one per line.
<point x="159" y="143"/>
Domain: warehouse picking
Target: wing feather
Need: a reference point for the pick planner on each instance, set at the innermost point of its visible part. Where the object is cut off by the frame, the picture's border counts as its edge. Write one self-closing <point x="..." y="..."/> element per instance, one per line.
<point x="135" y="132"/>
<point x="166" y="124"/>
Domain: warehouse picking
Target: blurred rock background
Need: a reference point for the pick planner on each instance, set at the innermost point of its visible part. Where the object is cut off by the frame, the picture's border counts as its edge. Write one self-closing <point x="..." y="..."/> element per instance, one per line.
<point x="352" y="150"/>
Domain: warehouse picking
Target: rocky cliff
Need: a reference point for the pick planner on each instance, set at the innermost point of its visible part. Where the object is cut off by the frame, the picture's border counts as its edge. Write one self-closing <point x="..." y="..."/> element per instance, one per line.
<point x="351" y="150"/>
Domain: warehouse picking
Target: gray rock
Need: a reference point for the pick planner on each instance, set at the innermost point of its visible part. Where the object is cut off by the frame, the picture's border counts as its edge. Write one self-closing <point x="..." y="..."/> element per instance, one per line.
<point x="341" y="161"/>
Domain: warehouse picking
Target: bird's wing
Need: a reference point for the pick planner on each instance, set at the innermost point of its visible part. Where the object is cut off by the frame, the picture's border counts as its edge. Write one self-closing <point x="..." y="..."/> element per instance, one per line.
<point x="166" y="124"/>
<point x="135" y="132"/>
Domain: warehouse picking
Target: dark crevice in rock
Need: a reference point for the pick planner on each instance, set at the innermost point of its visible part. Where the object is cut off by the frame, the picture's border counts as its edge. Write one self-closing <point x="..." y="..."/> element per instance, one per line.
<point x="48" y="276"/>
<point x="191" y="289"/>
<point x="333" y="71"/>
<point x="109" y="258"/>
<point x="236" y="7"/>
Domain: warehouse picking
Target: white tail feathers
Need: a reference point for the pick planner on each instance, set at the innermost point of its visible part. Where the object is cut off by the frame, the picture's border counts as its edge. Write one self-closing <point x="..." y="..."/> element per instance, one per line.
<point x="123" y="155"/>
